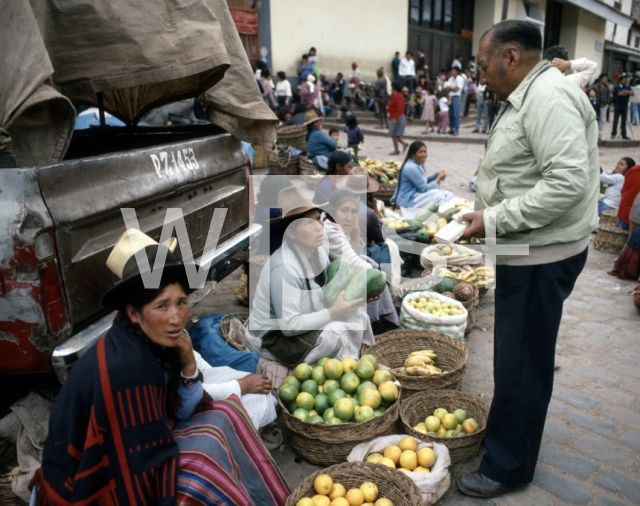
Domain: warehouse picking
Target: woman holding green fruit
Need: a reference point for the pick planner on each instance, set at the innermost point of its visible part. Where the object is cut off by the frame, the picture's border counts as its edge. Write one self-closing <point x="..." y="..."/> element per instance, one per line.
<point x="290" y="320"/>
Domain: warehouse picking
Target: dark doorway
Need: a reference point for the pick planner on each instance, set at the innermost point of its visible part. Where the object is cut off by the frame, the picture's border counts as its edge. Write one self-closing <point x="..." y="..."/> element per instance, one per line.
<point x="553" y="20"/>
<point x="443" y="29"/>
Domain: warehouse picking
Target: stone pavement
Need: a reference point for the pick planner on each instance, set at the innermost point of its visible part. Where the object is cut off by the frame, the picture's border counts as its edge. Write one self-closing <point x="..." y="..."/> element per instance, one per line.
<point x="591" y="447"/>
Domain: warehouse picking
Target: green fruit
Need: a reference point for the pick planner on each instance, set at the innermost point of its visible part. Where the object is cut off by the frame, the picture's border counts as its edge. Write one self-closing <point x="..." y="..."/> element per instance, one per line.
<point x="322" y="361"/>
<point x="440" y="412"/>
<point x="364" y="370"/>
<point x="317" y="375"/>
<point x="416" y="224"/>
<point x="321" y="403"/>
<point x="310" y="386"/>
<point x="426" y="211"/>
<point x="446" y="285"/>
<point x="334" y="421"/>
<point x="305" y="400"/>
<point x="371" y="359"/>
<point x="365" y="285"/>
<point x="432" y="434"/>
<point x="292" y="406"/>
<point x="344" y="409"/>
<point x="449" y="433"/>
<point x="332" y="369"/>
<point x="461" y="415"/>
<point x="457" y="433"/>
<point x="288" y="393"/>
<point x="303" y="371"/>
<point x="292" y="380"/>
<point x="334" y="284"/>
<point x="423" y="236"/>
<point x="364" y="413"/>
<point x="379" y="411"/>
<point x="315" y="419"/>
<point x="329" y="413"/>
<point x="448" y="214"/>
<point x="301" y="414"/>
<point x="335" y="395"/>
<point x="349" y="382"/>
<point x="370" y="398"/>
<point x="330" y="386"/>
<point x="389" y="391"/>
<point x="366" y="384"/>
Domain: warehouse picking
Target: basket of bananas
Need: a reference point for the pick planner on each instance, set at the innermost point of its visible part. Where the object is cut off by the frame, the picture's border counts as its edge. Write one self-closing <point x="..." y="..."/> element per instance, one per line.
<point x="386" y="173"/>
<point x="421" y="359"/>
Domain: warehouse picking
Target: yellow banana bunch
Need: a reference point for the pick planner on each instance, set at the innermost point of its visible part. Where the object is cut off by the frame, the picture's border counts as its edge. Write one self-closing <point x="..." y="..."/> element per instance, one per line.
<point x="429" y="353"/>
<point x="429" y="370"/>
<point x="417" y="361"/>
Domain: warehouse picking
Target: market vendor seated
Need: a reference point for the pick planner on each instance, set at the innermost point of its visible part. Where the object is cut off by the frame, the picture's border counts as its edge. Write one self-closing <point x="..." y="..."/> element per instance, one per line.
<point x="132" y="423"/>
<point x="343" y="232"/>
<point x="318" y="142"/>
<point x="415" y="188"/>
<point x="289" y="321"/>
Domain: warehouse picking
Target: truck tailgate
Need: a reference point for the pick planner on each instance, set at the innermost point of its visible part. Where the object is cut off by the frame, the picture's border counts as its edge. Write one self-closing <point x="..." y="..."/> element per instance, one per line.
<point x="84" y="198"/>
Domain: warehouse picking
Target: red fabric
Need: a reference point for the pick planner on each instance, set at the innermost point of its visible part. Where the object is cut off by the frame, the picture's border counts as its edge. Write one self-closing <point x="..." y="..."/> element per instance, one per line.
<point x="628" y="264"/>
<point x="396" y="106"/>
<point x="630" y="190"/>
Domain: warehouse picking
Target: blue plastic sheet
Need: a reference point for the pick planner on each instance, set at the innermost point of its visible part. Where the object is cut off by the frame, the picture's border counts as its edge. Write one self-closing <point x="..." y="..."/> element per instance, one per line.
<point x="206" y="339"/>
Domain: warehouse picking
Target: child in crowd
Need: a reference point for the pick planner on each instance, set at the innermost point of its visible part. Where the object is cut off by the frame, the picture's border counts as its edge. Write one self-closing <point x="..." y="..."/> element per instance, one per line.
<point x="443" y="105"/>
<point x="408" y="102"/>
<point x="429" y="109"/>
<point x="614" y="180"/>
<point x="345" y="108"/>
<point x="354" y="134"/>
<point x="284" y="115"/>
<point x="334" y="133"/>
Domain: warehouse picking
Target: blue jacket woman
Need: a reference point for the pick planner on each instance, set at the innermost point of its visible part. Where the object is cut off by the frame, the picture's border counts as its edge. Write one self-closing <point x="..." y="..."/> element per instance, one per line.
<point x="415" y="188"/>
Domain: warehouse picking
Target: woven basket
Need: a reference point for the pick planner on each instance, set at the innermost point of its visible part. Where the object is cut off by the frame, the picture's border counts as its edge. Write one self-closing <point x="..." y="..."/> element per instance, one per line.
<point x="416" y="408"/>
<point x="385" y="192"/>
<point x="307" y="167"/>
<point x="282" y="162"/>
<point x="259" y="157"/>
<point x="482" y="291"/>
<point x="609" y="218"/>
<point x="393" y="348"/>
<point x="611" y="238"/>
<point x="241" y="291"/>
<point x="224" y="326"/>
<point x="294" y="136"/>
<point x="394" y="485"/>
<point x="325" y="445"/>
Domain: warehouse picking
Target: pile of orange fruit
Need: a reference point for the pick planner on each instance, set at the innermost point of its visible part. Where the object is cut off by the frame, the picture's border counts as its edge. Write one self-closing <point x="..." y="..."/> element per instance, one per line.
<point x="329" y="493"/>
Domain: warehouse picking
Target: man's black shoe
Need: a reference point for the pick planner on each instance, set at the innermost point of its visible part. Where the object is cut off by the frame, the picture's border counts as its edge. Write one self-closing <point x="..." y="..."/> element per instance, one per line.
<point x="627" y="138"/>
<point x="477" y="484"/>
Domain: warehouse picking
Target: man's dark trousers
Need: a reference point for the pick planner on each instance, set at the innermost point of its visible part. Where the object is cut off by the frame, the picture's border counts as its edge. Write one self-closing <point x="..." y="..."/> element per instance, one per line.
<point x="619" y="112"/>
<point x="528" y="308"/>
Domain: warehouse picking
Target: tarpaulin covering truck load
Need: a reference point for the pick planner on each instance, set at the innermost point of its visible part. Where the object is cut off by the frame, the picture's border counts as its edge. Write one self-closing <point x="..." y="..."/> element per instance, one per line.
<point x="61" y="192"/>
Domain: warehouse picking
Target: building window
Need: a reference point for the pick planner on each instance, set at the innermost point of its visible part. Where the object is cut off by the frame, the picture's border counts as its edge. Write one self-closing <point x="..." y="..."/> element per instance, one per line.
<point x="636" y="44"/>
<point x="617" y="5"/>
<point x="447" y="15"/>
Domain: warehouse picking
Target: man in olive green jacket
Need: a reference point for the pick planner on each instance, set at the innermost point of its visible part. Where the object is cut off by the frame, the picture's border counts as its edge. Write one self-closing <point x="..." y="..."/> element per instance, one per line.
<point x="538" y="186"/>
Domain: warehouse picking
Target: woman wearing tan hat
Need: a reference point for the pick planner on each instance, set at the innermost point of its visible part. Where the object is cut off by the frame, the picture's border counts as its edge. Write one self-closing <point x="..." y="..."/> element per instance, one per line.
<point x="133" y="424"/>
<point x="341" y="224"/>
<point x="289" y="321"/>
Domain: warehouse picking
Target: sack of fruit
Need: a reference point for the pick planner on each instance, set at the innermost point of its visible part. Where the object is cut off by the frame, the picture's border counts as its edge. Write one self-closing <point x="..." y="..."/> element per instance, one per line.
<point x="449" y="254"/>
<point x="432" y="311"/>
<point x="409" y="451"/>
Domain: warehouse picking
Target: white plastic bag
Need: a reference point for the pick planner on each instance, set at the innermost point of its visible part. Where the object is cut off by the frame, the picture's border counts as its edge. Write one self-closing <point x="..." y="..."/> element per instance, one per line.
<point x="432" y="485"/>
<point x="411" y="318"/>
<point x="460" y="255"/>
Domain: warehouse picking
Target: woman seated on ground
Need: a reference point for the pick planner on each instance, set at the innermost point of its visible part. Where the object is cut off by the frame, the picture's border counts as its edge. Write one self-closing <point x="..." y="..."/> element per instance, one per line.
<point x="614" y="181"/>
<point x="340" y="164"/>
<point x="290" y="322"/>
<point x="628" y="193"/>
<point x="132" y="423"/>
<point x="318" y="142"/>
<point x="415" y="188"/>
<point x="628" y="263"/>
<point x="343" y="231"/>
